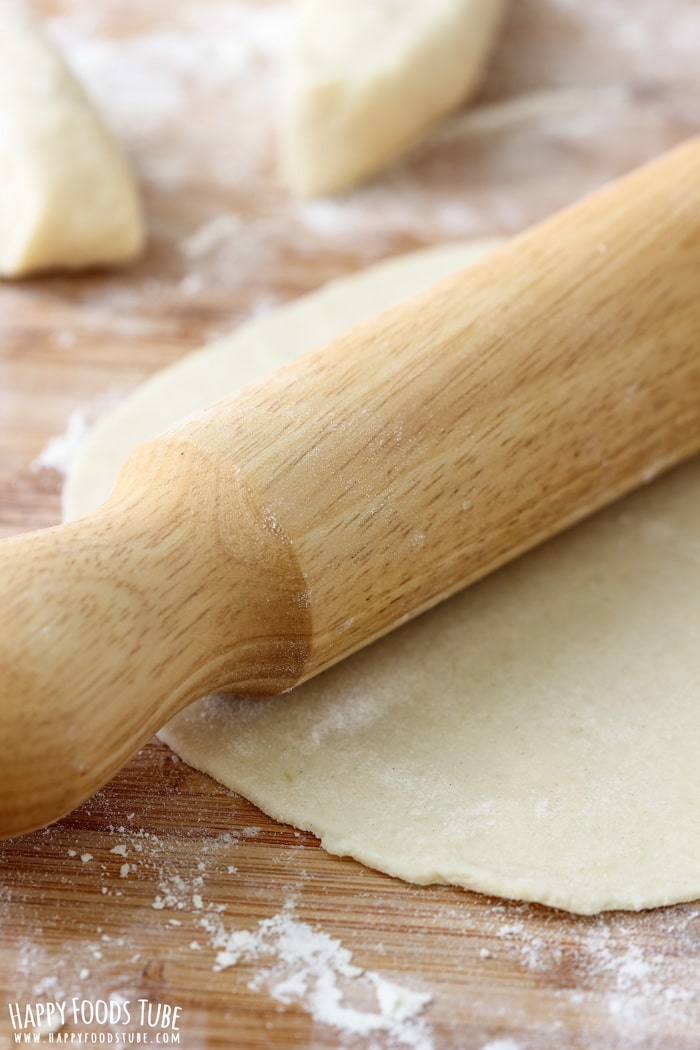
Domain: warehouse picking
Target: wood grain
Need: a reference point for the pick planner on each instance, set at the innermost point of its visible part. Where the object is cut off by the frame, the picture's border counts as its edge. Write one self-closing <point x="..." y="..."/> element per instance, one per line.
<point x="550" y="981"/>
<point x="274" y="534"/>
<point x="497" y="970"/>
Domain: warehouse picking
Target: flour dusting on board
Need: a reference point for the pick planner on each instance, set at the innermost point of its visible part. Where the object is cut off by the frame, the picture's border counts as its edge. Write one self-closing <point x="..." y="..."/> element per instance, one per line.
<point x="303" y="964"/>
<point x="186" y="896"/>
<point x="609" y="960"/>
<point x="59" y="452"/>
<point x="502" y="1044"/>
<point x="293" y="962"/>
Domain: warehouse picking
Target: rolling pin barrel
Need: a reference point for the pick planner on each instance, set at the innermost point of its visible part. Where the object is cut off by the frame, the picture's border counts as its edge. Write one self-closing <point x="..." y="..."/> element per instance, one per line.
<point x="263" y="540"/>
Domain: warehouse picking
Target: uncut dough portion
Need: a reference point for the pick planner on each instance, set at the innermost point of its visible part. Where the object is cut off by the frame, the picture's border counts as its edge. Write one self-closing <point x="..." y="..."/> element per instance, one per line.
<point x="535" y="737"/>
<point x="68" y="199"/>
<point x="368" y="78"/>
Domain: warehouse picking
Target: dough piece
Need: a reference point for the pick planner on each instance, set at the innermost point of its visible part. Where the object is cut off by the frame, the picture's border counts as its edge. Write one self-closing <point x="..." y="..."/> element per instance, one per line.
<point x="367" y="78"/>
<point x="68" y="199"/>
<point x="534" y="737"/>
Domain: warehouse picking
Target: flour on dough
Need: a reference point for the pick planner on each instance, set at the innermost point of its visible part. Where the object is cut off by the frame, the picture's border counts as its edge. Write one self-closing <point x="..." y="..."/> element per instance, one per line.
<point x="535" y="737"/>
<point x="368" y="78"/>
<point x="68" y="199"/>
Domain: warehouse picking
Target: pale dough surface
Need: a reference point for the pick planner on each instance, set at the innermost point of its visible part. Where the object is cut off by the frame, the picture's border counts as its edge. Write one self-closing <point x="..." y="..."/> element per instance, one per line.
<point x="68" y="198"/>
<point x="535" y="737"/>
<point x="367" y="78"/>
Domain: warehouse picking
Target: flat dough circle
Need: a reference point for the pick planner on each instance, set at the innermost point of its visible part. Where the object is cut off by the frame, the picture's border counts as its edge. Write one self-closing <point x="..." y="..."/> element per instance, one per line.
<point x="535" y="737"/>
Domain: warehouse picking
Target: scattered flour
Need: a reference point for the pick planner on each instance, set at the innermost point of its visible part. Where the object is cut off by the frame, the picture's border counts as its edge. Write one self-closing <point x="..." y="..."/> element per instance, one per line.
<point x="60" y="451"/>
<point x="58" y="454"/>
<point x="502" y="1044"/>
<point x="208" y="237"/>
<point x="291" y="961"/>
<point x="639" y="970"/>
<point x="50" y="1025"/>
<point x="636" y="973"/>
<point x="308" y="967"/>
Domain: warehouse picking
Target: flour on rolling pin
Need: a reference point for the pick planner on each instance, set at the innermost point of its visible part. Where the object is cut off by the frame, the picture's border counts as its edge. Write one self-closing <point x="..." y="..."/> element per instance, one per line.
<point x="531" y="772"/>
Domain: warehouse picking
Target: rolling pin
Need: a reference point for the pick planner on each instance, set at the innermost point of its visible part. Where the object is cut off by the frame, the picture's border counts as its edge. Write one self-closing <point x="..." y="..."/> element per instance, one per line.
<point x="264" y="539"/>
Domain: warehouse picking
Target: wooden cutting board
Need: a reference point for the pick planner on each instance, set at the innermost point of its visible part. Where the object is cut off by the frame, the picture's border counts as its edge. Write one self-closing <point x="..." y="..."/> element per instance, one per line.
<point x="134" y="894"/>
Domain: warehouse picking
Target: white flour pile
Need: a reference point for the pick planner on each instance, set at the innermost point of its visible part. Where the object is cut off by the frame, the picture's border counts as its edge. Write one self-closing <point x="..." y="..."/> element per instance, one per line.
<point x="304" y="965"/>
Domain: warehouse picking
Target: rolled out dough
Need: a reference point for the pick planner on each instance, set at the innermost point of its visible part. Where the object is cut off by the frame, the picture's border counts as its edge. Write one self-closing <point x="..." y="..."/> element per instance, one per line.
<point x="535" y="737"/>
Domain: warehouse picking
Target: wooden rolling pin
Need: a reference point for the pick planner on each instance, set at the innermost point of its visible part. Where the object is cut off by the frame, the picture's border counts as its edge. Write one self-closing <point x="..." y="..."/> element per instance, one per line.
<point x="262" y="540"/>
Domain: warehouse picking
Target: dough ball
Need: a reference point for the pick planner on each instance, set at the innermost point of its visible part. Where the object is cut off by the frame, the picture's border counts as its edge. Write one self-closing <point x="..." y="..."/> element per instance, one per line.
<point x="368" y="78"/>
<point x="68" y="198"/>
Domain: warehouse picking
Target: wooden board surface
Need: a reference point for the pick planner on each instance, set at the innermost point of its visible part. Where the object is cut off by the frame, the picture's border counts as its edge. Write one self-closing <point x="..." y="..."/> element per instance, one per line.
<point x="577" y="94"/>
